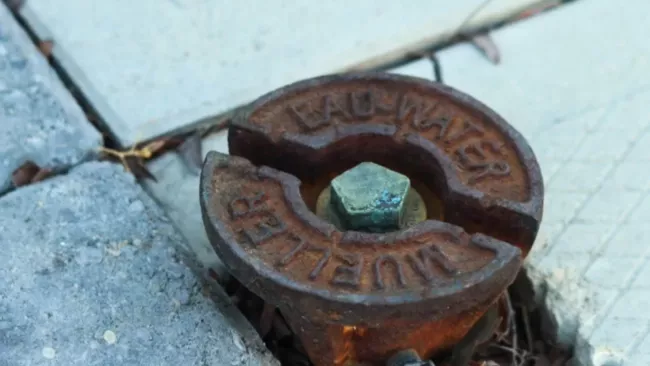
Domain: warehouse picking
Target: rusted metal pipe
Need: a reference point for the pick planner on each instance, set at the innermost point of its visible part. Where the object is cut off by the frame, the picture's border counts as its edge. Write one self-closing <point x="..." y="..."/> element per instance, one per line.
<point x="361" y="297"/>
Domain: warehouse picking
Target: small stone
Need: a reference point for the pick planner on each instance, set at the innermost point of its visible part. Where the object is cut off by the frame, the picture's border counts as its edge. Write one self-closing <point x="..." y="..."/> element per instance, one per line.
<point x="110" y="337"/>
<point x="136" y="207"/>
<point x="49" y="353"/>
<point x="238" y="342"/>
<point x="184" y="297"/>
<point x="89" y="255"/>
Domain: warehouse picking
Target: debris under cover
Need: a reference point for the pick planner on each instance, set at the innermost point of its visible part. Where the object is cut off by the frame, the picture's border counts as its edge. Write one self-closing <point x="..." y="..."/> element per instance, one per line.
<point x="518" y="340"/>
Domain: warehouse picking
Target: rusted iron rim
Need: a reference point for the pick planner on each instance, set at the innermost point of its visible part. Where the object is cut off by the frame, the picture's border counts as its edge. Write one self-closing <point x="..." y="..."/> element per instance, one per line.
<point x="442" y="299"/>
<point x="362" y="296"/>
<point x="532" y="208"/>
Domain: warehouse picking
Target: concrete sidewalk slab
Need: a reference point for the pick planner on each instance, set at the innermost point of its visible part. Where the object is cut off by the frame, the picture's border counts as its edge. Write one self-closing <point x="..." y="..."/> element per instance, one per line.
<point x="92" y="275"/>
<point x="579" y="90"/>
<point x="39" y="119"/>
<point x="152" y="66"/>
<point x="177" y="191"/>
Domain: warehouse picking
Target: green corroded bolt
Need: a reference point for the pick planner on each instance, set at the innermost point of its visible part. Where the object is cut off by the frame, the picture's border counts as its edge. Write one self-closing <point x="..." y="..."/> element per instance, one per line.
<point x="370" y="197"/>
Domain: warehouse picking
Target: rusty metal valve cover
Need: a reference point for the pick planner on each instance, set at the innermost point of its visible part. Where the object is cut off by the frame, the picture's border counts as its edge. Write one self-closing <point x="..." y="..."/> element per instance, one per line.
<point x="359" y="296"/>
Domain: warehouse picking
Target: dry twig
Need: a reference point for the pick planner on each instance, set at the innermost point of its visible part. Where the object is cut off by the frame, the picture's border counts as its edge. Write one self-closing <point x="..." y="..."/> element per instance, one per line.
<point x="133" y="159"/>
<point x="518" y="357"/>
<point x="513" y="327"/>
<point x="501" y="337"/>
<point x="529" y="333"/>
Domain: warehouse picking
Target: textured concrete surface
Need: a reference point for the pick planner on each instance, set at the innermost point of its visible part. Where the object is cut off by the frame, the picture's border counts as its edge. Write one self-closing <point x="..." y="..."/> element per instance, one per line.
<point x="152" y="66"/>
<point x="92" y="275"/>
<point x="39" y="119"/>
<point x="177" y="191"/>
<point x="579" y="90"/>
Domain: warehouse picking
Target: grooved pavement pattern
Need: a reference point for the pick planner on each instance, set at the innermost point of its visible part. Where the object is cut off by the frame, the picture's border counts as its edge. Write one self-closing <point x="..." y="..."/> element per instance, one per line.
<point x="579" y="91"/>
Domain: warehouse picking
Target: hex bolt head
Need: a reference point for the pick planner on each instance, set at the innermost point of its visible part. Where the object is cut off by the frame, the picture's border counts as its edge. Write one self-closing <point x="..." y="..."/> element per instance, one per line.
<point x="370" y="197"/>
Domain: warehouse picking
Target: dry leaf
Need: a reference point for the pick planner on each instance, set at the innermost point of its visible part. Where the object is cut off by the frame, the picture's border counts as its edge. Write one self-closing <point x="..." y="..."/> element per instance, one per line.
<point x="46" y="48"/>
<point x="41" y="175"/>
<point x="24" y="174"/>
<point x="191" y="153"/>
<point x="487" y="46"/>
<point x="29" y="173"/>
<point x="212" y="274"/>
<point x="266" y="320"/>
